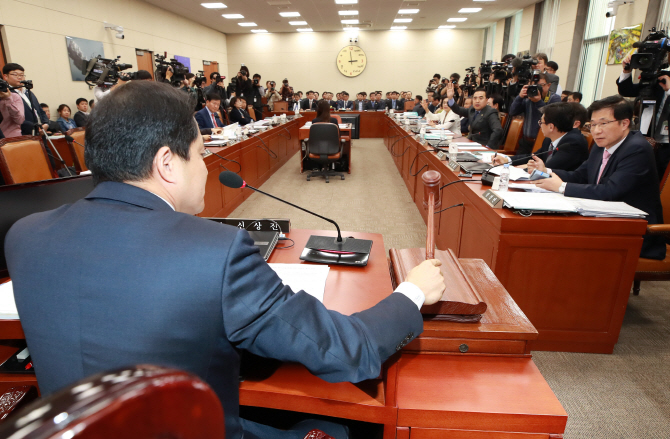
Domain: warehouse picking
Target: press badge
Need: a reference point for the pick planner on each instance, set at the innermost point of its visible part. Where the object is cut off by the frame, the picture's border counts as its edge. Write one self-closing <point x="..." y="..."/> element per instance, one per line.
<point x="664" y="128"/>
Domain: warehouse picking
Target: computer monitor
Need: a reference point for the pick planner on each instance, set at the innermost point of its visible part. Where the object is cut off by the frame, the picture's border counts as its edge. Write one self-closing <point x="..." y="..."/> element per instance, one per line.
<point x="21" y="200"/>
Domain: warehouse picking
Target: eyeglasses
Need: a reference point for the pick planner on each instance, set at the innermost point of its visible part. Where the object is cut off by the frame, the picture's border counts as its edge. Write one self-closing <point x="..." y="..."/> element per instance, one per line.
<point x="542" y="85"/>
<point x="18" y="75"/>
<point x="540" y="123"/>
<point x="601" y="124"/>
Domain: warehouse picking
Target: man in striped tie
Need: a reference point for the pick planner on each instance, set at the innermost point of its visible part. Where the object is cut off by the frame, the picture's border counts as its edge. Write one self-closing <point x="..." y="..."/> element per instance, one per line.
<point x="208" y="118"/>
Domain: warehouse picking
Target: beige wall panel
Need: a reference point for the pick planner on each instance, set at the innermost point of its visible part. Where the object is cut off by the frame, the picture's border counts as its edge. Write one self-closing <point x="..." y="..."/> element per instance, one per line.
<point x="526" y="28"/>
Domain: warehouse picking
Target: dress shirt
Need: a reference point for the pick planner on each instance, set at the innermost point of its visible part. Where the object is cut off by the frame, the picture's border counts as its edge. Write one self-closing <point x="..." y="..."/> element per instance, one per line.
<point x="12" y="111"/>
<point x="213" y="118"/>
<point x="554" y="144"/>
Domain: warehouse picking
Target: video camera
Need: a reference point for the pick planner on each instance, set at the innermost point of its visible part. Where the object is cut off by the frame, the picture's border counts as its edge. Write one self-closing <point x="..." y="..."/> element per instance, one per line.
<point x="5" y="87"/>
<point x="526" y="72"/>
<point x="650" y="59"/>
<point x="200" y="79"/>
<point x="105" y="72"/>
<point x="179" y="70"/>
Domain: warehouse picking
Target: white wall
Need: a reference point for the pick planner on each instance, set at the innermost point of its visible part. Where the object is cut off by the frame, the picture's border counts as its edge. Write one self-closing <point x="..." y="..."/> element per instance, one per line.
<point x="34" y="34"/>
<point x="397" y="60"/>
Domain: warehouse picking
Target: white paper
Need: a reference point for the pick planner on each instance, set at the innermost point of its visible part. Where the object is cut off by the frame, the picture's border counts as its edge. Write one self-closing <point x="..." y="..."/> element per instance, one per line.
<point x="344" y="125"/>
<point x="7" y="304"/>
<point x="647" y="115"/>
<point x="514" y="173"/>
<point x="465" y="147"/>
<point x="469" y="145"/>
<point x="307" y="277"/>
<point x="601" y="208"/>
<point x="528" y="187"/>
<point x="551" y="202"/>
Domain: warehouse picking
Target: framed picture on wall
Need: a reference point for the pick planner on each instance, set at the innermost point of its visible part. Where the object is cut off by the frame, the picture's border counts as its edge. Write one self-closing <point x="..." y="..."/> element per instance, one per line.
<point x="79" y="51"/>
<point x="621" y="43"/>
<point x="184" y="60"/>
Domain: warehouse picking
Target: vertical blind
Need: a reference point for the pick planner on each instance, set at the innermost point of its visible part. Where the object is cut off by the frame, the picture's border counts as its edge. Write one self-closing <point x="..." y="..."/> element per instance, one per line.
<point x="548" y="25"/>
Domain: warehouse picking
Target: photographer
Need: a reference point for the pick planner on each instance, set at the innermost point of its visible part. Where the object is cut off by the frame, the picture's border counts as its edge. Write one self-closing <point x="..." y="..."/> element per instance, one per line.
<point x="484" y="121"/>
<point x="433" y="83"/>
<point x="217" y="87"/>
<point x="552" y="79"/>
<point x="285" y="91"/>
<point x="187" y="86"/>
<point x="530" y="100"/>
<point x="12" y="113"/>
<point x="272" y="95"/>
<point x="34" y="115"/>
<point x="256" y="97"/>
<point x="242" y="85"/>
<point x="659" y="92"/>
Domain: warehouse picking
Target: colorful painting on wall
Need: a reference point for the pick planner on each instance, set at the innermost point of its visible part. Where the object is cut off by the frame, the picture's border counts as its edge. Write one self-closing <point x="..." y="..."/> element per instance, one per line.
<point x="621" y="43"/>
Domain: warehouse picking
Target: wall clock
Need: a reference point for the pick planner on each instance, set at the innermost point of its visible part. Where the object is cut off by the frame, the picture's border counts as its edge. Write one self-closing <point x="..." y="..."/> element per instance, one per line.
<point x="351" y="61"/>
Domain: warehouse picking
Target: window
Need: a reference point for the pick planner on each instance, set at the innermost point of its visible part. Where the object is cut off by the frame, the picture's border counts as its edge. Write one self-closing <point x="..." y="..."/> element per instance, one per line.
<point x="591" y="71"/>
<point x="547" y="36"/>
<point x="490" y="42"/>
<point x="516" y="31"/>
<point x="663" y="16"/>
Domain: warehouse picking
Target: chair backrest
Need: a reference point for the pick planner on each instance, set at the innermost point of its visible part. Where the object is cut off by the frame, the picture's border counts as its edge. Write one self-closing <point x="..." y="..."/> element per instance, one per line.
<point x="280" y="106"/>
<point x="252" y="113"/>
<point x="78" y="134"/>
<point x="503" y="118"/>
<point x="336" y="116"/>
<point x="513" y="134"/>
<point x="142" y="401"/>
<point x="24" y="159"/>
<point x="538" y="141"/>
<point x="409" y="105"/>
<point x="324" y="139"/>
<point x="589" y="138"/>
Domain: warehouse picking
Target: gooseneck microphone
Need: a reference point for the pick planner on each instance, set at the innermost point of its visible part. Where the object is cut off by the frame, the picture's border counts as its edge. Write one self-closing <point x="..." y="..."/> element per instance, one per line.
<point x="234" y="181"/>
<point x="532" y="155"/>
<point x="71" y="139"/>
<point x="487" y="177"/>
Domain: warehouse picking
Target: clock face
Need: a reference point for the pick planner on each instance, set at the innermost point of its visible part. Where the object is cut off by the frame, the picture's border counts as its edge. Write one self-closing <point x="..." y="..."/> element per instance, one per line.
<point x="351" y="61"/>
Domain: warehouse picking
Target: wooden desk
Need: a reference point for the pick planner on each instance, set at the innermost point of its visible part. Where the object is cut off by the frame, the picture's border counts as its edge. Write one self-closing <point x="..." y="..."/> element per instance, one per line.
<point x="372" y="124"/>
<point x="570" y="275"/>
<point x="346" y="149"/>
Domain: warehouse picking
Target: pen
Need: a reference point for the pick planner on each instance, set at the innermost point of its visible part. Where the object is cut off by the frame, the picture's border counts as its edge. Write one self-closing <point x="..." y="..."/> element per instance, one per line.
<point x="29" y="365"/>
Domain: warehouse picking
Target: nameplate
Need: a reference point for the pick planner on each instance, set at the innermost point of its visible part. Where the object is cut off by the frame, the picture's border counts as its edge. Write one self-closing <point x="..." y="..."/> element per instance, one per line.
<point x="453" y="165"/>
<point x="280" y="225"/>
<point x="442" y="155"/>
<point x="493" y="199"/>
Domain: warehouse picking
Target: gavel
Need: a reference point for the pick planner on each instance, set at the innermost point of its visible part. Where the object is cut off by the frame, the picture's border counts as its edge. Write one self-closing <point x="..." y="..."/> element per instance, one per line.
<point x="431" y="202"/>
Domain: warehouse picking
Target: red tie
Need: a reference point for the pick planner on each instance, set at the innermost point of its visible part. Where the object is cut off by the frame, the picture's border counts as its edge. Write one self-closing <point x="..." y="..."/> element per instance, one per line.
<point x="214" y="121"/>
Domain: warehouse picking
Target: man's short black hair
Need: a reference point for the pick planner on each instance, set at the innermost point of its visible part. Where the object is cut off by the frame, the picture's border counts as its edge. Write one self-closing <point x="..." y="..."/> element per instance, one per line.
<point x="213" y="96"/>
<point x="580" y="112"/>
<point x="10" y="67"/>
<point x="507" y="58"/>
<point x="561" y="114"/>
<point x="419" y="97"/>
<point x="80" y="100"/>
<point x="214" y="75"/>
<point x="577" y="95"/>
<point x="437" y="75"/>
<point x="344" y="93"/>
<point x="118" y="149"/>
<point x="498" y="100"/>
<point x="43" y="105"/>
<point x="256" y="75"/>
<point x="143" y="75"/>
<point x="456" y="76"/>
<point x="91" y="102"/>
<point x="189" y="75"/>
<point x="481" y="89"/>
<point x="552" y="65"/>
<point x="621" y="107"/>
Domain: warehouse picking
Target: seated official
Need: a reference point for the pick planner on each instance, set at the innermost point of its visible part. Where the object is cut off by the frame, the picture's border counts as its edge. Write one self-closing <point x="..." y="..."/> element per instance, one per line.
<point x="581" y="115"/>
<point x="360" y="103"/>
<point x="142" y="280"/>
<point x="564" y="147"/>
<point x="394" y="103"/>
<point x="467" y="103"/>
<point x="208" y="118"/>
<point x="444" y="117"/>
<point x="496" y="102"/>
<point x="294" y="105"/>
<point x="309" y="103"/>
<point x="54" y="127"/>
<point x="238" y="113"/>
<point x="418" y="108"/>
<point x="323" y="113"/>
<point x="64" y="121"/>
<point x="376" y="103"/>
<point x="484" y="122"/>
<point x="345" y="103"/>
<point x="621" y="167"/>
<point x="81" y="116"/>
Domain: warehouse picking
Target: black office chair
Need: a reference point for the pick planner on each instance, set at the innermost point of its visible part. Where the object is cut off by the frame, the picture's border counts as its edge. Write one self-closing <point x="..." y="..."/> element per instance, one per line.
<point x="324" y="147"/>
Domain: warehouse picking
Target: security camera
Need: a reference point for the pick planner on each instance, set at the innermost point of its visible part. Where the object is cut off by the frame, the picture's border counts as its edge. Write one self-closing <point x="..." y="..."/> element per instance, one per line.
<point x="118" y="29"/>
<point x="614" y="6"/>
<point x="120" y="36"/>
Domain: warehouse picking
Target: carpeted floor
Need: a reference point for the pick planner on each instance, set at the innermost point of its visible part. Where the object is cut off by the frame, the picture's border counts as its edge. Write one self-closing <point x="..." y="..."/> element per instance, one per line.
<point x="623" y="395"/>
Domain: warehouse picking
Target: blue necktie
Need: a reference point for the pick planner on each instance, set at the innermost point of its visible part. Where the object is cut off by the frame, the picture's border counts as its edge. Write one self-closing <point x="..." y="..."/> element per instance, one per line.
<point x="476" y="114"/>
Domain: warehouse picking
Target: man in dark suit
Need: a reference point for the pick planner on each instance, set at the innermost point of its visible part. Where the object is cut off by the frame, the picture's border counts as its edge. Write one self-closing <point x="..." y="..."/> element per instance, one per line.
<point x="484" y="122"/>
<point x="394" y="103"/>
<point x="81" y="116"/>
<point x="418" y="108"/>
<point x="374" y="104"/>
<point x="53" y="125"/>
<point x="620" y="168"/>
<point x="661" y="118"/>
<point x="345" y="103"/>
<point x="238" y="113"/>
<point x="208" y="117"/>
<point x="564" y="147"/>
<point x="142" y="280"/>
<point x="360" y="103"/>
<point x="13" y="73"/>
<point x="309" y="103"/>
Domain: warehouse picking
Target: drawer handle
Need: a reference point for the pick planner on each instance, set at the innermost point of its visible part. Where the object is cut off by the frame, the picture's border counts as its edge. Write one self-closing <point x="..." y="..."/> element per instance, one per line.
<point x="463" y="348"/>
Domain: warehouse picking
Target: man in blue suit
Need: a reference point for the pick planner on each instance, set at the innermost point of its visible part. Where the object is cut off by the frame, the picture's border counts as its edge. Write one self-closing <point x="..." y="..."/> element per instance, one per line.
<point x="143" y="280"/>
<point x="208" y="117"/>
<point x="345" y="103"/>
<point x="621" y="167"/>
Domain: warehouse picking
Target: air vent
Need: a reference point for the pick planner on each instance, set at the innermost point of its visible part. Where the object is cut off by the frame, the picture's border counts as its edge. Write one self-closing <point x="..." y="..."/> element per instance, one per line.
<point x="278" y="2"/>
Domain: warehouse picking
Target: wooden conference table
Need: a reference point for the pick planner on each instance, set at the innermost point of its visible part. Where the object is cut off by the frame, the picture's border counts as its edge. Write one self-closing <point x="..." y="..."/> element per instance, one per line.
<point x="570" y="275"/>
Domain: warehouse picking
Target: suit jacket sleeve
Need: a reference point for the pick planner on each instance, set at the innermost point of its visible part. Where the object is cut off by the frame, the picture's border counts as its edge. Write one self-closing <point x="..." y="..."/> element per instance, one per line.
<point x="463" y="112"/>
<point x="263" y="316"/>
<point x="200" y="118"/>
<point x="629" y="171"/>
<point x="496" y="130"/>
<point x="627" y="88"/>
<point x="570" y="155"/>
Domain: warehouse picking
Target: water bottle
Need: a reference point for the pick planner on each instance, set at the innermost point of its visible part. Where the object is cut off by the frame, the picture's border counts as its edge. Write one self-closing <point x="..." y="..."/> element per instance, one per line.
<point x="422" y="133"/>
<point x="238" y="134"/>
<point x="443" y="135"/>
<point x="504" y="179"/>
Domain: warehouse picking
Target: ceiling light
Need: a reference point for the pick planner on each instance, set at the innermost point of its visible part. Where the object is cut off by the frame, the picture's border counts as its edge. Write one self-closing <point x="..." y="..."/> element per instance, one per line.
<point x="469" y="10"/>
<point x="247" y="24"/>
<point x="347" y="12"/>
<point x="304" y="29"/>
<point x="408" y="11"/>
<point x="232" y="16"/>
<point x="398" y="27"/>
<point x="213" y="5"/>
<point x="402" y="20"/>
<point x="456" y="20"/>
<point x="259" y="31"/>
<point x="446" y="26"/>
<point x="297" y="23"/>
<point x="349" y="21"/>
<point x="346" y="2"/>
<point x="290" y="14"/>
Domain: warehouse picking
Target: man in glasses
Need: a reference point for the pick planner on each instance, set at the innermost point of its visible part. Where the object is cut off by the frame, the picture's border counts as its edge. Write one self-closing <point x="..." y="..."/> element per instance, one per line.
<point x="621" y="167"/>
<point x="531" y="98"/>
<point x="34" y="114"/>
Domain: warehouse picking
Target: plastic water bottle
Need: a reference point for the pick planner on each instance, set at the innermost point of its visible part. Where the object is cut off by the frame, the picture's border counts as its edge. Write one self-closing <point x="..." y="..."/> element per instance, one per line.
<point x="238" y="134"/>
<point x="504" y="179"/>
<point x="443" y="135"/>
<point x="422" y="133"/>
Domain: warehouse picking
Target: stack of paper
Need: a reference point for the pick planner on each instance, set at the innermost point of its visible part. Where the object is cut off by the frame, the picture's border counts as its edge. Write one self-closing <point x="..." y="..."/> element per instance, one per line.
<point x="606" y="209"/>
<point x="550" y="202"/>
<point x="306" y="277"/>
<point x="344" y="125"/>
<point x="514" y="173"/>
<point x="530" y="187"/>
<point x="7" y="304"/>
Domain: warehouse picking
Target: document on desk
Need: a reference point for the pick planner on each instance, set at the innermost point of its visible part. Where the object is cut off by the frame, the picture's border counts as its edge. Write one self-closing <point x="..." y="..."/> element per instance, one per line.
<point x="7" y="305"/>
<point x="344" y="125"/>
<point x="606" y="209"/>
<point x="514" y="173"/>
<point x="551" y="202"/>
<point x="529" y="187"/>
<point x="307" y="277"/>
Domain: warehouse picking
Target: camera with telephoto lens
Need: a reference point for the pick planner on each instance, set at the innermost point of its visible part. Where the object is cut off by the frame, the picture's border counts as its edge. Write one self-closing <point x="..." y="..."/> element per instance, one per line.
<point x="527" y="74"/>
<point x="179" y="70"/>
<point x="199" y="79"/>
<point x="105" y="72"/>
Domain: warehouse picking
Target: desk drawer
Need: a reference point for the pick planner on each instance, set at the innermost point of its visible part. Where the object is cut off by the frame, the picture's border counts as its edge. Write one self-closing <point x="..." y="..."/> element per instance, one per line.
<point x="470" y="346"/>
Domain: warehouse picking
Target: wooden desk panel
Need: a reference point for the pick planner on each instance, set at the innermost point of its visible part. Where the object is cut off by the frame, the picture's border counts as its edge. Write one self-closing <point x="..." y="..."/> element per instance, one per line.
<point x="548" y="263"/>
<point x="372" y="123"/>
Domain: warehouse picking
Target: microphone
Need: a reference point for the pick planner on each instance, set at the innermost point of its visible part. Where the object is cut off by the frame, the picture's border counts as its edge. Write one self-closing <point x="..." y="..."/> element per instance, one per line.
<point x="531" y="156"/>
<point x="71" y="139"/>
<point x="487" y="177"/>
<point x="323" y="249"/>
